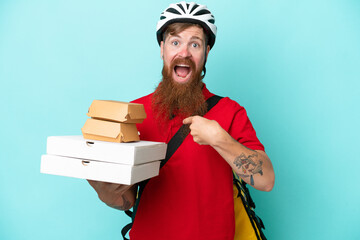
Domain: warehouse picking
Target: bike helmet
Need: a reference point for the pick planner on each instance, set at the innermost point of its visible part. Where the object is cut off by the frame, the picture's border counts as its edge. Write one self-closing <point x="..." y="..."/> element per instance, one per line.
<point x="183" y="12"/>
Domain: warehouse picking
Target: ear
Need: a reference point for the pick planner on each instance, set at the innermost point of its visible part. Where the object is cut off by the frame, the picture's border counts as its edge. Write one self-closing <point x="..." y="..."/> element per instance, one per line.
<point x="162" y="50"/>
<point x="207" y="51"/>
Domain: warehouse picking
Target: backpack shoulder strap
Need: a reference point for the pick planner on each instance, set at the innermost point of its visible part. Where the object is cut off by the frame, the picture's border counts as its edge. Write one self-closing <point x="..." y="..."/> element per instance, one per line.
<point x="179" y="136"/>
<point x="172" y="146"/>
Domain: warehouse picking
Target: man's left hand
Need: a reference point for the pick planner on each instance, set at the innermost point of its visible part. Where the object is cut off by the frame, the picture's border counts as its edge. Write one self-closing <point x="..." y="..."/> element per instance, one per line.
<point x="204" y="131"/>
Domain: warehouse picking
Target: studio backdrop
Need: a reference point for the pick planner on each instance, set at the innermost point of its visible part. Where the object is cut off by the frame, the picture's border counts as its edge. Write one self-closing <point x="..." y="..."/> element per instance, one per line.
<point x="294" y="65"/>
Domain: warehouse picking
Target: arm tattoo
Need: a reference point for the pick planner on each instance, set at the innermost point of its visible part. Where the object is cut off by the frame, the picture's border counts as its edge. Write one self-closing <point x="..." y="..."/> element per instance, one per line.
<point x="248" y="166"/>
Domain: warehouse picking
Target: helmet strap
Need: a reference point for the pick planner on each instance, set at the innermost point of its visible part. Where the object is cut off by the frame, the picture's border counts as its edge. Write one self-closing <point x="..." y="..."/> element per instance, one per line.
<point x="204" y="68"/>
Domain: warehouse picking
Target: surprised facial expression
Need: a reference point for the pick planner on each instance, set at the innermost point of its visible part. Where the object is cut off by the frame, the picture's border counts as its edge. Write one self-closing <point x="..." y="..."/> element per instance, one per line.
<point x="184" y="53"/>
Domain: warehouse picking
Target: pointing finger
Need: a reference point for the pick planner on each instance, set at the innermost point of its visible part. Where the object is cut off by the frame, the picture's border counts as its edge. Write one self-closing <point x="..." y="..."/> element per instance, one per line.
<point x="187" y="120"/>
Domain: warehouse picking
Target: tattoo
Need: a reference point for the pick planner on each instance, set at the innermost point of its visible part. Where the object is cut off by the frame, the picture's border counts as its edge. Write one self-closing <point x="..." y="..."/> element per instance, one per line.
<point x="243" y="175"/>
<point x="248" y="166"/>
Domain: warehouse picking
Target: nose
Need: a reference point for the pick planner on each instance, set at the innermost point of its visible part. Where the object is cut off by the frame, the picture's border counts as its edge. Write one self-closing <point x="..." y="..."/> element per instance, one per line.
<point x="184" y="52"/>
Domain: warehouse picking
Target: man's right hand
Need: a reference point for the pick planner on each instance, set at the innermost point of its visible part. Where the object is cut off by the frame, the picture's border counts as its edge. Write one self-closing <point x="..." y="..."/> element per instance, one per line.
<point x="118" y="196"/>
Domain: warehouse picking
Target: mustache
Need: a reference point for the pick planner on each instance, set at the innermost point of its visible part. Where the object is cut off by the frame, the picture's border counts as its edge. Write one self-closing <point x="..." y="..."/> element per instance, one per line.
<point x="183" y="61"/>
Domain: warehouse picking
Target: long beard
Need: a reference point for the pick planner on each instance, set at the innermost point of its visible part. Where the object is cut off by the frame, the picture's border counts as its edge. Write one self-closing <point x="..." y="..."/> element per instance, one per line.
<point x="183" y="99"/>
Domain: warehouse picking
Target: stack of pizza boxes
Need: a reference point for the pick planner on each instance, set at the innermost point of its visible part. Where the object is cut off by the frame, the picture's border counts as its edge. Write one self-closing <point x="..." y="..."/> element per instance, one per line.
<point x="109" y="150"/>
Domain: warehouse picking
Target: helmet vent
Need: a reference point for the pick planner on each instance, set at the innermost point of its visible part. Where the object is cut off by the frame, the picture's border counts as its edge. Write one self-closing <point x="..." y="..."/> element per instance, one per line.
<point x="187" y="6"/>
<point x="180" y="6"/>
<point x="202" y="12"/>
<point x="193" y="8"/>
<point x="162" y="17"/>
<point x="211" y="21"/>
<point x="173" y="10"/>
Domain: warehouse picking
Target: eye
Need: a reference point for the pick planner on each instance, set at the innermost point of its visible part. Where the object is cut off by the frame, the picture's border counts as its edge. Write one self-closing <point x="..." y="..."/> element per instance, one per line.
<point x="175" y="43"/>
<point x="195" y="45"/>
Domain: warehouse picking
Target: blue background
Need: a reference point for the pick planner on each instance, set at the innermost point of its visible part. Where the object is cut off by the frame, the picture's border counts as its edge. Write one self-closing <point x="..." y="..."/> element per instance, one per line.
<point x="294" y="65"/>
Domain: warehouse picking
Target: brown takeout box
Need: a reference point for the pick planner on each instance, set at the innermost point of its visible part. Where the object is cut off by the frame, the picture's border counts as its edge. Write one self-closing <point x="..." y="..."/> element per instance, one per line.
<point x="117" y="111"/>
<point x="110" y="131"/>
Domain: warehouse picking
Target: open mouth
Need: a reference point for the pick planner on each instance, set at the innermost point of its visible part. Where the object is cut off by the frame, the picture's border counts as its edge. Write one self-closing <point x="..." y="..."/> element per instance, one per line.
<point x="182" y="71"/>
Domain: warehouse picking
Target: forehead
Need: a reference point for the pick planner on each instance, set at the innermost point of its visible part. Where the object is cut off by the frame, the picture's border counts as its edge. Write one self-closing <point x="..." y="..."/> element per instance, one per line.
<point x="193" y="31"/>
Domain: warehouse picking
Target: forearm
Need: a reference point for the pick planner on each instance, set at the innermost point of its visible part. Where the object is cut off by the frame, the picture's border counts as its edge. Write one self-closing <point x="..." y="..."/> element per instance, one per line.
<point x="254" y="167"/>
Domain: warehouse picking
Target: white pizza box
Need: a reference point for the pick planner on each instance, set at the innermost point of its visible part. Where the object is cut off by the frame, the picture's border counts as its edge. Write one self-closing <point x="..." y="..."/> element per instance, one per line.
<point x="98" y="171"/>
<point x="132" y="153"/>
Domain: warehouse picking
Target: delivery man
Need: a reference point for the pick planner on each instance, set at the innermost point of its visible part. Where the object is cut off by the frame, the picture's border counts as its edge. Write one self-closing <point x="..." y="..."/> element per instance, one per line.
<point x="192" y="198"/>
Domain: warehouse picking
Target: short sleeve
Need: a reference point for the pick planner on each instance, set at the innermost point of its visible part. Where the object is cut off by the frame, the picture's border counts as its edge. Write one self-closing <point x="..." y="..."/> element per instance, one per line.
<point x="242" y="130"/>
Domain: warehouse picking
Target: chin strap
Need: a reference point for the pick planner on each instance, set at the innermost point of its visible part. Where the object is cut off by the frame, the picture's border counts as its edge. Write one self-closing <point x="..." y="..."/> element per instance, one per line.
<point x="204" y="68"/>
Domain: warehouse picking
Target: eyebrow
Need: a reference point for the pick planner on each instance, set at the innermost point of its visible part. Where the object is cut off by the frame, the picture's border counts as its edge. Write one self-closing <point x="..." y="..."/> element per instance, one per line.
<point x="195" y="37"/>
<point x="192" y="38"/>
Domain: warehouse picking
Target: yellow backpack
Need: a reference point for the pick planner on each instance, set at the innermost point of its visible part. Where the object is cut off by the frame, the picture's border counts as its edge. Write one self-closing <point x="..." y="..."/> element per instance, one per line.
<point x="248" y="226"/>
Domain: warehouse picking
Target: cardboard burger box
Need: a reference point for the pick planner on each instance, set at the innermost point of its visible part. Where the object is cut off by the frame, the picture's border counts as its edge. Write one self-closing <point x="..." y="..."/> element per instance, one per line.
<point x="123" y="163"/>
<point x="117" y="111"/>
<point x="113" y="121"/>
<point x="110" y="131"/>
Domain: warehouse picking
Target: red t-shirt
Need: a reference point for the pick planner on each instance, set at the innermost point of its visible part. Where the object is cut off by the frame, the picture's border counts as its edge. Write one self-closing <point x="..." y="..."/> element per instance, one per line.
<point x="192" y="198"/>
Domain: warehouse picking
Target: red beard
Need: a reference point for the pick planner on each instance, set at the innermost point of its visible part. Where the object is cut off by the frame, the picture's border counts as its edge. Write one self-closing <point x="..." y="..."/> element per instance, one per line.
<point x="183" y="99"/>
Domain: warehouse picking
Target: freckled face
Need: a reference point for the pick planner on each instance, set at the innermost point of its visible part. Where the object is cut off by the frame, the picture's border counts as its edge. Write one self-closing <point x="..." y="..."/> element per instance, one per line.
<point x="178" y="49"/>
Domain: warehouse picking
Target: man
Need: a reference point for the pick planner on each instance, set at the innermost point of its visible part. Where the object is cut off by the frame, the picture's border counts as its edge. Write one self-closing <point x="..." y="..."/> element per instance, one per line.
<point x="192" y="198"/>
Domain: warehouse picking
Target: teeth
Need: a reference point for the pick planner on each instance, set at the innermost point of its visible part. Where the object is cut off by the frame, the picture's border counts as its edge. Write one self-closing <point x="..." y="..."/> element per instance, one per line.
<point x="182" y="65"/>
